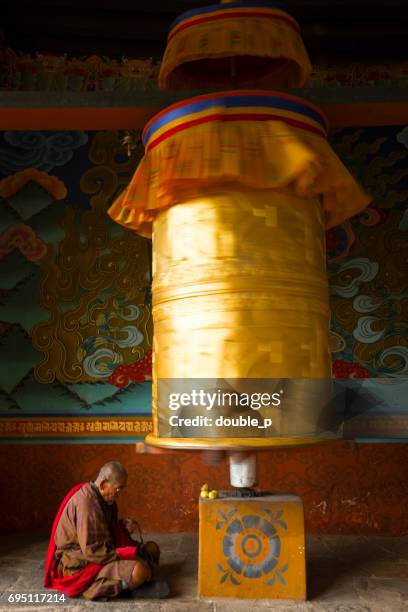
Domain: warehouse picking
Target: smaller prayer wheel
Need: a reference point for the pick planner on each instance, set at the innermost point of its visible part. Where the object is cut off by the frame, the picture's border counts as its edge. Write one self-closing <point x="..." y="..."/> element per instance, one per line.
<point x="235" y="44"/>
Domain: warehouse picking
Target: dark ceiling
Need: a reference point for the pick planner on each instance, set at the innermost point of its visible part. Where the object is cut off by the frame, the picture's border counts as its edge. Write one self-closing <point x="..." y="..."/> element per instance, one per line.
<point x="332" y="30"/>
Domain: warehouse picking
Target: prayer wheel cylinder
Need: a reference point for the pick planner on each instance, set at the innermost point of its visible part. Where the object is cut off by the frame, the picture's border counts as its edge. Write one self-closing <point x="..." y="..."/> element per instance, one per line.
<point x="236" y="190"/>
<point x="240" y="292"/>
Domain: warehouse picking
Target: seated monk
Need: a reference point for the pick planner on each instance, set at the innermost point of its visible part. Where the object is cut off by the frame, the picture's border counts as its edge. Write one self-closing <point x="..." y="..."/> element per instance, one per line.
<point x="91" y="552"/>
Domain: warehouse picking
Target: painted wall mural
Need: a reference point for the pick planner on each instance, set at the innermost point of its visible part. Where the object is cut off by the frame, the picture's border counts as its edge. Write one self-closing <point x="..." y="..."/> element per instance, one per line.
<point x="75" y="304"/>
<point x="75" y="293"/>
<point x="367" y="260"/>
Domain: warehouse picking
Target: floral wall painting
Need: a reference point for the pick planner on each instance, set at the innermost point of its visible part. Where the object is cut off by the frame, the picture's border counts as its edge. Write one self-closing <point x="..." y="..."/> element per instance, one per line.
<point x="75" y="304"/>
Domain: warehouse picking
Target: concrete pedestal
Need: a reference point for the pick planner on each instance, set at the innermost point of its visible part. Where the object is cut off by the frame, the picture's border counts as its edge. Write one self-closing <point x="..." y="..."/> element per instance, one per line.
<point x="252" y="548"/>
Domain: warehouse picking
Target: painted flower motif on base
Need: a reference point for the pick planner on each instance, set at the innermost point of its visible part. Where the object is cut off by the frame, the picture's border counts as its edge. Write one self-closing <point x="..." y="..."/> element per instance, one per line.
<point x="252" y="549"/>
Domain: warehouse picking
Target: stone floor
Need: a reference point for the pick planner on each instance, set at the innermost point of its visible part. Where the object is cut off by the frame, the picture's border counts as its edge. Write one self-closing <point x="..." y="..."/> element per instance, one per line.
<point x="345" y="574"/>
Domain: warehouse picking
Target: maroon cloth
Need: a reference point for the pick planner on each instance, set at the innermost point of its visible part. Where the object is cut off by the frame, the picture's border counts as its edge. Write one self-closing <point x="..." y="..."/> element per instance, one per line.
<point x="77" y="583"/>
<point x="126" y="552"/>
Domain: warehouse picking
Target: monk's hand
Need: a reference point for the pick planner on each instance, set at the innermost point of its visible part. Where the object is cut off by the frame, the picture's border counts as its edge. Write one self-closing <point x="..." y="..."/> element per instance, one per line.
<point x="131" y="525"/>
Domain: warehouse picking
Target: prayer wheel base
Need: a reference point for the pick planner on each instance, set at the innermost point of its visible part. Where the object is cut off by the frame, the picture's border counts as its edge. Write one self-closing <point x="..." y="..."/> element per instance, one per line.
<point x="252" y="548"/>
<point x="218" y="444"/>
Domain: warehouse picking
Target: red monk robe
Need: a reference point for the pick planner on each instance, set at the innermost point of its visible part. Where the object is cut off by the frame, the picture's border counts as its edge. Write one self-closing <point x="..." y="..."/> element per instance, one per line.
<point x="90" y="551"/>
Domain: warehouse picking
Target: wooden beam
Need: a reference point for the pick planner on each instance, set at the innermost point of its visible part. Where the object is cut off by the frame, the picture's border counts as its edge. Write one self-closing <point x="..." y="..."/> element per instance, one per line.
<point x="344" y="107"/>
<point x="75" y="118"/>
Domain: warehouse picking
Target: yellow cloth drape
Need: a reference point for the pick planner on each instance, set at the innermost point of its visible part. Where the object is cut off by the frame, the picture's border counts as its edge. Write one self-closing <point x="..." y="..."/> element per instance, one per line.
<point x="260" y="155"/>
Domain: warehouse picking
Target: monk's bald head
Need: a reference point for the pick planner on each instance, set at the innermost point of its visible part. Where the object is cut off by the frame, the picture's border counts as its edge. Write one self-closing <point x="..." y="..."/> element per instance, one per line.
<point x="111" y="480"/>
<point x="113" y="471"/>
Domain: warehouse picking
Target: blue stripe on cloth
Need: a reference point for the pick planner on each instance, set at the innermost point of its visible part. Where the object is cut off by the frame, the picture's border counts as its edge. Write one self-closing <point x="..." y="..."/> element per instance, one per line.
<point x="231" y="102"/>
<point x="233" y="5"/>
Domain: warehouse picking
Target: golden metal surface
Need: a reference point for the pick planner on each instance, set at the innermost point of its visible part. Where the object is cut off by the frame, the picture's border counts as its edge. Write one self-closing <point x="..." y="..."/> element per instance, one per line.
<point x="230" y="443"/>
<point x="240" y="292"/>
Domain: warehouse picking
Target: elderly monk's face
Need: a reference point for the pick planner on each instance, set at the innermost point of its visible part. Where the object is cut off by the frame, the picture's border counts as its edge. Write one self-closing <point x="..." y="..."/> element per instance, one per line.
<point x="110" y="490"/>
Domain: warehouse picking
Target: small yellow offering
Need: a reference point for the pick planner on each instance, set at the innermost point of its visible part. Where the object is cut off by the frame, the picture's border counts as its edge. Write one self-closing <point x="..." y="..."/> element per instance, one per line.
<point x="213" y="494"/>
<point x="205" y="487"/>
<point x="204" y="494"/>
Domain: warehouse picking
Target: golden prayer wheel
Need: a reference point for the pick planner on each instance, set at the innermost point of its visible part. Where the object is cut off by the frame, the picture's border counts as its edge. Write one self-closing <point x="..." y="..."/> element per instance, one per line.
<point x="236" y="189"/>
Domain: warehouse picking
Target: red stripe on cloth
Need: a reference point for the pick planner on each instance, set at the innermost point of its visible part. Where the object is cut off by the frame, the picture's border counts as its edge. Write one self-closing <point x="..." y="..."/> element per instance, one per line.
<point x="236" y="117"/>
<point x="229" y="94"/>
<point x="231" y="14"/>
